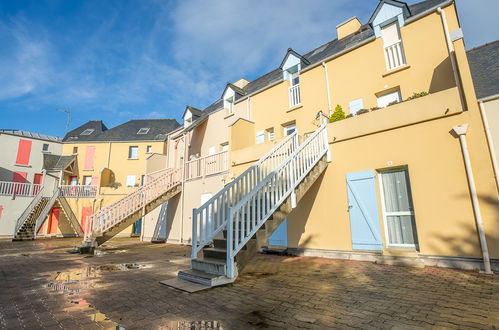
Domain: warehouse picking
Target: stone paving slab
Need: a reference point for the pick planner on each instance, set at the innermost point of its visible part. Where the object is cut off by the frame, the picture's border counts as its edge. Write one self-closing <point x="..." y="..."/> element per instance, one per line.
<point x="44" y="286"/>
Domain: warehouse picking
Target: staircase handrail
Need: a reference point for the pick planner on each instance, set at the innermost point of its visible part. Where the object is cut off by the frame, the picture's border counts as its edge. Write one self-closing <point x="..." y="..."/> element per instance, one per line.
<point x="22" y="218"/>
<point x="271" y="193"/>
<point x="70" y="214"/>
<point x="233" y="192"/>
<point x="110" y="215"/>
<point x="46" y="210"/>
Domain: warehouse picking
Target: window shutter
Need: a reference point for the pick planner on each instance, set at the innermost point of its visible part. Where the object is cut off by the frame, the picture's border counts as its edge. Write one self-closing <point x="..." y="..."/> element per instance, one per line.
<point x="23" y="152"/>
<point x="89" y="158"/>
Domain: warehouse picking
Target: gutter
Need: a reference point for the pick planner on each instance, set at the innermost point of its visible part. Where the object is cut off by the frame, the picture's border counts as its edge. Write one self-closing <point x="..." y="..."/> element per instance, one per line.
<point x="490" y="141"/>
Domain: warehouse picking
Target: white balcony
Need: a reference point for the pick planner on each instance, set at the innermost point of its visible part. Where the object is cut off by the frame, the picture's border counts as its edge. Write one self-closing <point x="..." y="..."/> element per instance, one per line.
<point x="294" y="95"/>
<point x="206" y="165"/>
<point x="394" y="56"/>
<point x="69" y="191"/>
<point x="19" y="189"/>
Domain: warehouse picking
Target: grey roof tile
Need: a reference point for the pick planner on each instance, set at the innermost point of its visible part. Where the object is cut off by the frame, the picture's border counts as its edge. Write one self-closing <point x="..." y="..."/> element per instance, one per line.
<point x="56" y="162"/>
<point x="484" y="66"/>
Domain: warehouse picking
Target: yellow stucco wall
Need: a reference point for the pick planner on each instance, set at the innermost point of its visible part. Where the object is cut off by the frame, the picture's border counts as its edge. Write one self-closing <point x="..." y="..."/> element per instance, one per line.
<point x="415" y="134"/>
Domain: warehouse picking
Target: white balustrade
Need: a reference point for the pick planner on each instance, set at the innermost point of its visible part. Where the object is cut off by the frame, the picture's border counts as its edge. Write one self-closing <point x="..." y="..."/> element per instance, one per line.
<point x="85" y="191"/>
<point x="206" y="165"/>
<point x="394" y="56"/>
<point x="19" y="188"/>
<point x="294" y="95"/>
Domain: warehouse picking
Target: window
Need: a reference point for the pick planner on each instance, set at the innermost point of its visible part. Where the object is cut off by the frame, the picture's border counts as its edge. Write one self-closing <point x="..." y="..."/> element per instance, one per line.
<point x="398" y="210"/>
<point x="133" y="152"/>
<point x="143" y="130"/>
<point x="224" y="146"/>
<point x="355" y="106"/>
<point x="130" y="181"/>
<point x="23" y="152"/>
<point x="270" y="134"/>
<point x="385" y="99"/>
<point x="260" y="137"/>
<point x="45" y="147"/>
<point x="142" y="180"/>
<point x="88" y="131"/>
<point x="294" y="86"/>
<point x="149" y="149"/>
<point x="75" y="150"/>
<point x="87" y="180"/>
<point x="394" y="52"/>
<point x="289" y="129"/>
<point x="73" y="180"/>
<point x="229" y="104"/>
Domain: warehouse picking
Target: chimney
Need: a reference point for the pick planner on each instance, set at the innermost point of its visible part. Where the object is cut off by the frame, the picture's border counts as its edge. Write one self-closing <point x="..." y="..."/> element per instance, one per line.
<point x="241" y="83"/>
<point x="348" y="27"/>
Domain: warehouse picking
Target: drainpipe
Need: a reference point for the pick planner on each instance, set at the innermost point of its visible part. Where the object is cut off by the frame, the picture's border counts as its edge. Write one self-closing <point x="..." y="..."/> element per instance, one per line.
<point x="461" y="131"/>
<point x="248" y="108"/>
<point x="490" y="142"/>
<point x="452" y="56"/>
<point x="327" y="88"/>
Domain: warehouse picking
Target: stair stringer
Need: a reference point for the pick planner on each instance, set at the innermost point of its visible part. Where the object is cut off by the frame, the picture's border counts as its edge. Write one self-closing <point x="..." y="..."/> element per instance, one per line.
<point x="27" y="229"/>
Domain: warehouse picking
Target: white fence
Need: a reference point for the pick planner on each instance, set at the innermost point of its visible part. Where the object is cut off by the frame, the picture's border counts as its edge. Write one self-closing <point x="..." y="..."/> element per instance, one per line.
<point x="294" y="95"/>
<point x="394" y="56"/>
<point x="206" y="165"/>
<point x="19" y="189"/>
<point x="69" y="191"/>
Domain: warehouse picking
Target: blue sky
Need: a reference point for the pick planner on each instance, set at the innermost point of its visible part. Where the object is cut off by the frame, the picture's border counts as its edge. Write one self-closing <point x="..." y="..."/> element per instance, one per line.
<point x="117" y="60"/>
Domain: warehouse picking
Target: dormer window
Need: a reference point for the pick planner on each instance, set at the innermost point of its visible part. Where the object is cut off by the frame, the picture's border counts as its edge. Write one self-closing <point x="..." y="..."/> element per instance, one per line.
<point x="187" y="118"/>
<point x="88" y="131"/>
<point x="291" y="66"/>
<point x="394" y="51"/>
<point x="143" y="130"/>
<point x="229" y="98"/>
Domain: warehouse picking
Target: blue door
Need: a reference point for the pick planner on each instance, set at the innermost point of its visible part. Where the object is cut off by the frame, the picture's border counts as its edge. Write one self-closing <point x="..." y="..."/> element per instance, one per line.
<point x="280" y="235"/>
<point x="363" y="210"/>
<point x="137" y="227"/>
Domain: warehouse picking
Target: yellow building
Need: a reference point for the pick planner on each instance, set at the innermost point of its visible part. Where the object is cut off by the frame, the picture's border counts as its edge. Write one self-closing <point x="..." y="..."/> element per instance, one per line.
<point x="408" y="177"/>
<point x="109" y="164"/>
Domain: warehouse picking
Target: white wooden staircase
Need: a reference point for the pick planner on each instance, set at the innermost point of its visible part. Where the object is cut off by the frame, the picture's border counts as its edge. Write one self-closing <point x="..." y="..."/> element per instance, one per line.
<point x="236" y="222"/>
<point x="110" y="220"/>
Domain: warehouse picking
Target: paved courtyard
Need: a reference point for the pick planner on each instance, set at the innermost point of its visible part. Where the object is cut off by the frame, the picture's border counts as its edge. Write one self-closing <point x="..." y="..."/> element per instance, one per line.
<point x="42" y="285"/>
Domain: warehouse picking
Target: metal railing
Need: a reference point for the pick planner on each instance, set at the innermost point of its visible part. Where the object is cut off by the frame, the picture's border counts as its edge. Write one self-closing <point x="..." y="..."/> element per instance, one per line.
<point x="394" y="55"/>
<point x="19" y="188"/>
<point x="206" y="165"/>
<point x="85" y="191"/>
<point x="294" y="95"/>
<point x="31" y="206"/>
<point x="211" y="218"/>
<point x="111" y="215"/>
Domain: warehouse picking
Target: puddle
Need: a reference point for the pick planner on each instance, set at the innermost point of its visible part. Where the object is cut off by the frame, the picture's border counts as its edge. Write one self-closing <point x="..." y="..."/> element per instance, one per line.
<point x="201" y="325"/>
<point x="121" y="267"/>
<point x="102" y="253"/>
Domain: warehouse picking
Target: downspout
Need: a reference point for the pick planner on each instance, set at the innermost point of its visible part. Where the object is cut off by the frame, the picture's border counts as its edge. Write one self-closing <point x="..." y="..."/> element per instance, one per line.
<point x="248" y="108"/>
<point x="327" y="88"/>
<point x="490" y="142"/>
<point x="461" y="131"/>
<point x="452" y="55"/>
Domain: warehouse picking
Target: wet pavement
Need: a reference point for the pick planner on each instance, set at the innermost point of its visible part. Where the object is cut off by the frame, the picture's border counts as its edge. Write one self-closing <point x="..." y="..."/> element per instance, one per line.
<point x="43" y="285"/>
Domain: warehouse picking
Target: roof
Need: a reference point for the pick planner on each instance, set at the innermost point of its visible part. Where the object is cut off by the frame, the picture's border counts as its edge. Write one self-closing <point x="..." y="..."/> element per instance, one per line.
<point x="397" y="3"/>
<point x="56" y="162"/>
<point x="31" y="135"/>
<point x="484" y="66"/>
<point x="158" y="131"/>
<point x="194" y="111"/>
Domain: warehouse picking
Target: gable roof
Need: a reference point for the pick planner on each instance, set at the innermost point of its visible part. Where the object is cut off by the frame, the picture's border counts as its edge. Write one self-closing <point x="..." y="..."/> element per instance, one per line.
<point x="31" y="135"/>
<point x="406" y="10"/>
<point x="290" y="51"/>
<point x="484" y="66"/>
<point x="194" y="111"/>
<point x="56" y="162"/>
<point x="158" y="131"/>
<point x="237" y="90"/>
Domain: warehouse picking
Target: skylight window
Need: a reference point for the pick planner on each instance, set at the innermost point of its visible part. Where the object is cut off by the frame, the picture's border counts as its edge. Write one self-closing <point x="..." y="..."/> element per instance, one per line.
<point x="143" y="130"/>
<point x="88" y="131"/>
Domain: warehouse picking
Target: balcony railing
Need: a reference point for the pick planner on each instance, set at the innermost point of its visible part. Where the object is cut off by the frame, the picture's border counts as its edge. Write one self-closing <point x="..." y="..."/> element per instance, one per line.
<point x="394" y="56"/>
<point x="68" y="191"/>
<point x="207" y="165"/>
<point x="19" y="189"/>
<point x="294" y="95"/>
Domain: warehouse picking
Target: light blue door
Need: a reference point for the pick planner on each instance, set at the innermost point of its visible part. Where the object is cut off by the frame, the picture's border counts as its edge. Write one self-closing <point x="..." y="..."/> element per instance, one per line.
<point x="363" y="210"/>
<point x="280" y="235"/>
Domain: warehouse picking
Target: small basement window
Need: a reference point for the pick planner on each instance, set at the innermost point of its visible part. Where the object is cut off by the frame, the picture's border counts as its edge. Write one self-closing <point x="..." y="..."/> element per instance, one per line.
<point x="143" y="130"/>
<point x="88" y="131"/>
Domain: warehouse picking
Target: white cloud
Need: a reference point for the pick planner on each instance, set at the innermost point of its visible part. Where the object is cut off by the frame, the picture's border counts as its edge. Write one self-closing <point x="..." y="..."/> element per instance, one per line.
<point x="479" y="20"/>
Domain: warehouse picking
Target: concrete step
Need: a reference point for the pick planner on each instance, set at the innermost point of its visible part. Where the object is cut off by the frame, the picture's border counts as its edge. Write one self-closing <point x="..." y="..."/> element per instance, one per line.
<point x="215" y="253"/>
<point x="203" y="278"/>
<point x="210" y="266"/>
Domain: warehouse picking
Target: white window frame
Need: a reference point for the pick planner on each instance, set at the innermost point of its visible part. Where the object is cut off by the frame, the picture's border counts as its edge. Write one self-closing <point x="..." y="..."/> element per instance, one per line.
<point x="260" y="137"/>
<point x="355" y="102"/>
<point x="88" y="131"/>
<point x="229" y="104"/>
<point x="270" y="134"/>
<point x="87" y="180"/>
<point x="143" y="130"/>
<point x="386" y="214"/>
<point x="130" y="153"/>
<point x="224" y="146"/>
<point x="394" y="51"/>
<point x="397" y="92"/>
<point x="130" y="179"/>
<point x="286" y="128"/>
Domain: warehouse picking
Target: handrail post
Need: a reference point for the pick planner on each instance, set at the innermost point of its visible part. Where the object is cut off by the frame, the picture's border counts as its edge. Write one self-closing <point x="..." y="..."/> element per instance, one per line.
<point x="194" y="253"/>
<point x="326" y="142"/>
<point x="229" y="264"/>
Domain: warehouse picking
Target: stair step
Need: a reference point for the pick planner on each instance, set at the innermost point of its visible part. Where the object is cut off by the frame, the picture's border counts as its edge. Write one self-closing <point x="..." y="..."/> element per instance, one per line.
<point x="209" y="265"/>
<point x="203" y="278"/>
<point x="220" y="243"/>
<point x="215" y="253"/>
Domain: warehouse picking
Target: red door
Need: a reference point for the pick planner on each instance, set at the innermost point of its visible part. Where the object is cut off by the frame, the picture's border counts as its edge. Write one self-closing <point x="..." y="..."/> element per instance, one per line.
<point x="18" y="187"/>
<point x="37" y="180"/>
<point x="85" y="212"/>
<point x="54" y="220"/>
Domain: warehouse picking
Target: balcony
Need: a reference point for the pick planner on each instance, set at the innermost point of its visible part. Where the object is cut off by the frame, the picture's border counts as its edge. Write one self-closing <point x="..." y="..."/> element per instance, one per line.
<point x="24" y="189"/>
<point x="206" y="165"/>
<point x="394" y="56"/>
<point x="294" y="95"/>
<point x="69" y="191"/>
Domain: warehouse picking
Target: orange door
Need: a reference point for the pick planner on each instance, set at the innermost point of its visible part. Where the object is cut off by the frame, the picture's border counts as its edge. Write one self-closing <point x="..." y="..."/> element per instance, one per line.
<point x="54" y="220"/>
<point x="85" y="212"/>
<point x="37" y="180"/>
